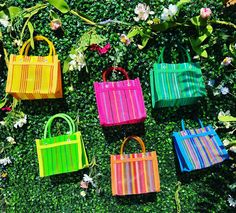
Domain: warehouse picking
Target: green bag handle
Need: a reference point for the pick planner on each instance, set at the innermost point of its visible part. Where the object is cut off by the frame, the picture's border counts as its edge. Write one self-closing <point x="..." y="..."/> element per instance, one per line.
<point x="183" y="126"/>
<point x="67" y="118"/>
<point x="160" y="58"/>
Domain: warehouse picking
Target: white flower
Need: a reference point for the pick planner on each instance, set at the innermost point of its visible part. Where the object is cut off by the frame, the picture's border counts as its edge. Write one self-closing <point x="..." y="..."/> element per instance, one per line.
<point x="173" y="9"/>
<point x="167" y="14"/>
<point x="227" y="125"/>
<point x="2" y="123"/>
<point x="11" y="140"/>
<point x="226" y="142"/>
<point x="17" y="43"/>
<point x="21" y="122"/>
<point x="233" y="149"/>
<point x="5" y="21"/>
<point x="5" y="161"/>
<point x="88" y="179"/>
<point x="143" y="11"/>
<point x="232" y="201"/>
<point x="221" y="113"/>
<point x="211" y="82"/>
<point x="224" y="90"/>
<point x="227" y="61"/>
<point x="216" y="92"/>
<point x="77" y="62"/>
<point x="83" y="193"/>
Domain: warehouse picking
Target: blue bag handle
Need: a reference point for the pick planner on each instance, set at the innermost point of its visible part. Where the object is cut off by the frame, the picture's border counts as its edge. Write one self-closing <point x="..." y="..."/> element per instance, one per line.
<point x="183" y="126"/>
<point x="160" y="58"/>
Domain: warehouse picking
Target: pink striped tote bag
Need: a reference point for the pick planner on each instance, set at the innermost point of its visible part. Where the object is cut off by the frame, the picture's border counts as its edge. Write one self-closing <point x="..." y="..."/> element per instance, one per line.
<point x="119" y="102"/>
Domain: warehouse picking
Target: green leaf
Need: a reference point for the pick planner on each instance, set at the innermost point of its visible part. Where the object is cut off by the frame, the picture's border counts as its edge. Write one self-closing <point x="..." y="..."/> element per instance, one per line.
<point x="206" y="33"/>
<point x="182" y="2"/>
<point x="3" y="7"/>
<point x="15" y="102"/>
<point x="133" y="32"/>
<point x="198" y="21"/>
<point x="198" y="49"/>
<point x="144" y="43"/>
<point x="163" y="26"/>
<point x="197" y="42"/>
<point x="232" y="49"/>
<point x="96" y="39"/>
<point x="31" y="29"/>
<point x="3" y="102"/>
<point x="2" y="14"/>
<point x="54" y="15"/>
<point x="66" y="65"/>
<point x="60" y="5"/>
<point x="14" y="12"/>
<point x="226" y="118"/>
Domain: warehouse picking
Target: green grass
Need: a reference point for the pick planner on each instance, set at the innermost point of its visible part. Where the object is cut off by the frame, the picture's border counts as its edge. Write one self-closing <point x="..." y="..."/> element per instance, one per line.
<point x="201" y="191"/>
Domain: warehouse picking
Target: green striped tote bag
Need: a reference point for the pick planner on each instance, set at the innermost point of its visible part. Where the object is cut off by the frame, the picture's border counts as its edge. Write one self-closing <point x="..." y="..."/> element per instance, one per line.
<point x="63" y="153"/>
<point x="176" y="84"/>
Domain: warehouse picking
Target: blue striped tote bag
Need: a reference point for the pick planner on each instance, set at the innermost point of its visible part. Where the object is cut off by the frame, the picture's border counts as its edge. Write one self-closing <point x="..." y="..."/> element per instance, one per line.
<point x="198" y="148"/>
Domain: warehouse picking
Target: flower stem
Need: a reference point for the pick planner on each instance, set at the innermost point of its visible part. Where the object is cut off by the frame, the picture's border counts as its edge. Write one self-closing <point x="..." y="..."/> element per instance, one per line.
<point x="82" y="17"/>
<point x="223" y="23"/>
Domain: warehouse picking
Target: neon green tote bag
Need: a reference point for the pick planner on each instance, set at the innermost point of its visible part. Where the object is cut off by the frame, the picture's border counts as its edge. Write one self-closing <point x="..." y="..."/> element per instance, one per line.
<point x="176" y="84"/>
<point x="63" y="153"/>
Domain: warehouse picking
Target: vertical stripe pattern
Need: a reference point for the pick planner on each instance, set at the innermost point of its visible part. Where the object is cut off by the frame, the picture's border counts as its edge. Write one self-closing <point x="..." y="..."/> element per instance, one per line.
<point x="134" y="173"/>
<point x="34" y="77"/>
<point x="61" y="154"/>
<point x="120" y="102"/>
<point x="176" y="84"/>
<point x="199" y="148"/>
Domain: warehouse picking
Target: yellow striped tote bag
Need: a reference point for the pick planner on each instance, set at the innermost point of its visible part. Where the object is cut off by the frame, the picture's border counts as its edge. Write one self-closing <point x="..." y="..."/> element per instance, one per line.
<point x="34" y="77"/>
<point x="134" y="173"/>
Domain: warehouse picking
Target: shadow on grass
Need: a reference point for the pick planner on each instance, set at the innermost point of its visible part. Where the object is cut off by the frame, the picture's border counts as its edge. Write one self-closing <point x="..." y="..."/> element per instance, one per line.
<point x="115" y="133"/>
<point x="136" y="199"/>
<point x="67" y="178"/>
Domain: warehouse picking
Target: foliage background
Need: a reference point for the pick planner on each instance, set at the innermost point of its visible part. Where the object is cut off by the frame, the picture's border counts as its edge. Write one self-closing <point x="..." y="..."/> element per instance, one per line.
<point x="201" y="191"/>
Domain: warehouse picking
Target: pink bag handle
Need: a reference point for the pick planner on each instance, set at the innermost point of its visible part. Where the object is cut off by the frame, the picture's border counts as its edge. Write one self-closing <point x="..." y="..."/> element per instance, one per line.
<point x="110" y="69"/>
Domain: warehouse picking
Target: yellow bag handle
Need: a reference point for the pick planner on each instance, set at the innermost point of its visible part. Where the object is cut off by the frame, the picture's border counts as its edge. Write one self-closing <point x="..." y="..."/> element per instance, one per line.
<point x="38" y="38"/>
<point x="137" y="139"/>
<point x="28" y="47"/>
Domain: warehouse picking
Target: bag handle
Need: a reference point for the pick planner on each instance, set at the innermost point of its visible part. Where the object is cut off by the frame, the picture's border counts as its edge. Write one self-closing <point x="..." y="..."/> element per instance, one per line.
<point x="160" y="58"/>
<point x="110" y="69"/>
<point x="137" y="139"/>
<point x="52" y="50"/>
<point x="67" y="118"/>
<point x="183" y="126"/>
<point x="28" y="47"/>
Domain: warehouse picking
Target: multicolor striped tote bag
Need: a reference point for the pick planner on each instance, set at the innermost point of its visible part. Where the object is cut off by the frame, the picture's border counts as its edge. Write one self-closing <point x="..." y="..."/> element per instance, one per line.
<point x="34" y="77"/>
<point x="198" y="148"/>
<point x="176" y="84"/>
<point x="61" y="154"/>
<point x="134" y="173"/>
<point x="119" y="102"/>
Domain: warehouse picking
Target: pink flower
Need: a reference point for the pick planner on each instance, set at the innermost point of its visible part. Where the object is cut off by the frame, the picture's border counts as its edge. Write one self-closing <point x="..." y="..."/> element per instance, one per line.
<point x="84" y="185"/>
<point x="7" y="109"/>
<point x="205" y="13"/>
<point x="94" y="47"/>
<point x="55" y="24"/>
<point x="104" y="49"/>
